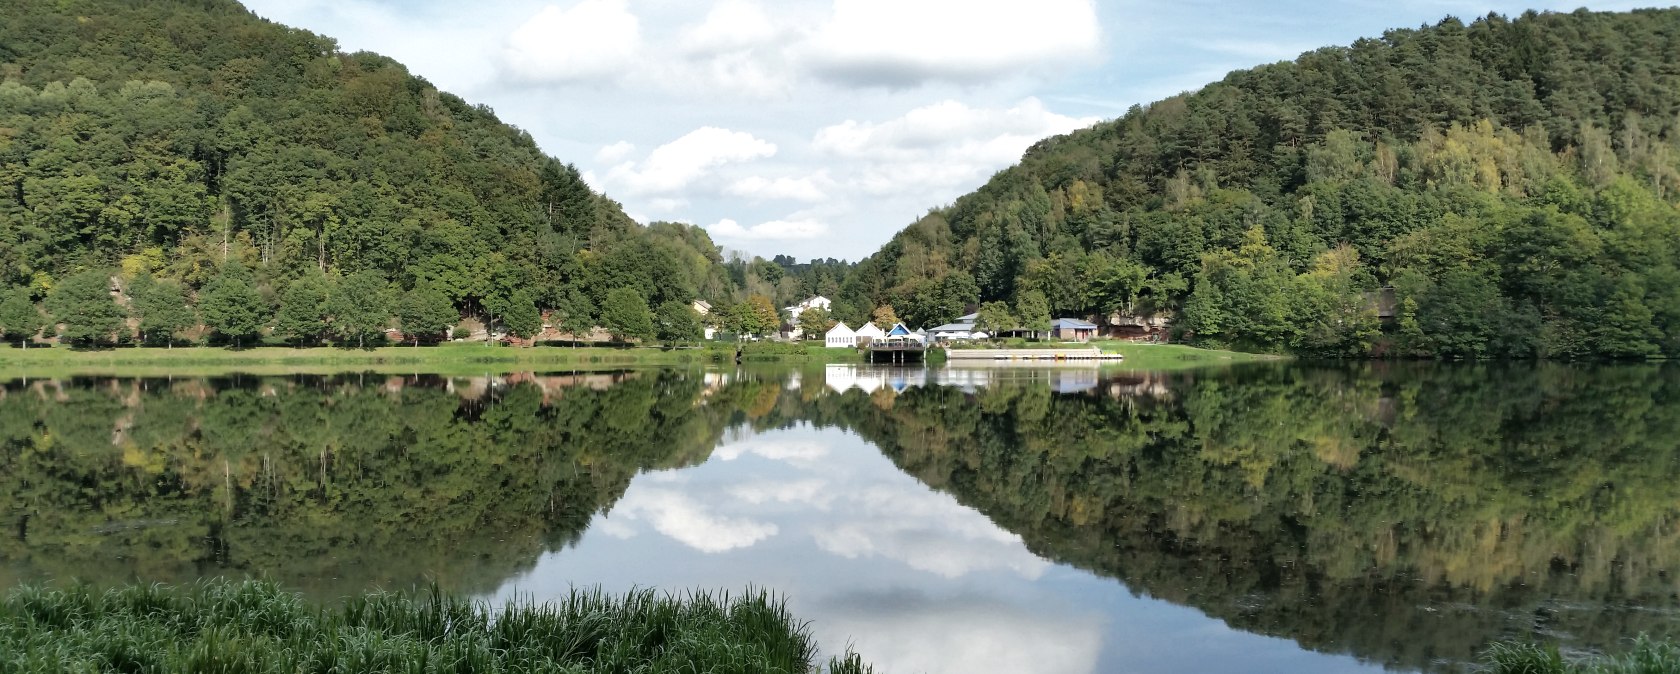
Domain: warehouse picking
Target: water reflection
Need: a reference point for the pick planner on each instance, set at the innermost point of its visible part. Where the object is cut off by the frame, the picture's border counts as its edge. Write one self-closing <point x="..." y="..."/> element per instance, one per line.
<point x="1027" y="520"/>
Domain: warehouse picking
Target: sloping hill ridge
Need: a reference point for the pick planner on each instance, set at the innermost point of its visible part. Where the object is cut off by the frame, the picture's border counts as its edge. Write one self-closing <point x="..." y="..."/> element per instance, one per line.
<point x="169" y="137"/>
<point x="1514" y="180"/>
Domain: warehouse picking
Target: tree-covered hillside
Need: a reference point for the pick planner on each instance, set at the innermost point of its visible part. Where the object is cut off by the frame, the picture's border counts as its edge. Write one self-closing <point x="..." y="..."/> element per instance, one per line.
<point x="193" y="142"/>
<point x="1515" y="181"/>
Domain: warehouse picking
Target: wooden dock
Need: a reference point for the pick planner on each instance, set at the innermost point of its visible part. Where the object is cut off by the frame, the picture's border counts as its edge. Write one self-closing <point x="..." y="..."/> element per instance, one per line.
<point x="1092" y="355"/>
<point x="895" y="353"/>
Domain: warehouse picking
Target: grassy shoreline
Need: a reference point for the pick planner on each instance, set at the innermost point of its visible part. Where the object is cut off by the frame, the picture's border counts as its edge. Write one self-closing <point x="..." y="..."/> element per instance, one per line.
<point x="467" y="359"/>
<point x="446" y="359"/>
<point x="254" y="626"/>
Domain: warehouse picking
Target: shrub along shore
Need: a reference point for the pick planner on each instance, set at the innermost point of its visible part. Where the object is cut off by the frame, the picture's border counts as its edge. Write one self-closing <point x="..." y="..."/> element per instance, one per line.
<point x="1647" y="656"/>
<point x="254" y="626"/>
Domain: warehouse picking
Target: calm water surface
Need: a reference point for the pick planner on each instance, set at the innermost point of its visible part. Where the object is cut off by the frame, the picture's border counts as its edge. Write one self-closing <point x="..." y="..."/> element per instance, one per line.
<point x="1272" y="518"/>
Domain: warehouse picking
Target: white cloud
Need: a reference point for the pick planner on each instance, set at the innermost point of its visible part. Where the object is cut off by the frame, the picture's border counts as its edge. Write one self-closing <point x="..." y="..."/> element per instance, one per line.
<point x="900" y="43"/>
<point x="731" y="25"/>
<point x="791" y="451"/>
<point x="591" y="40"/>
<point x="940" y="148"/>
<point x="919" y="634"/>
<point x="949" y="124"/>
<point x="812" y="492"/>
<point x="615" y="153"/>
<point x="684" y="519"/>
<point x="774" y="230"/>
<point x="927" y="531"/>
<point x="676" y="165"/>
<point x="789" y="189"/>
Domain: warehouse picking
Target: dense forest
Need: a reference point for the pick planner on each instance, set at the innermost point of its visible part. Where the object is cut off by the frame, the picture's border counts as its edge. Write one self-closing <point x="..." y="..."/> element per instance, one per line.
<point x="1513" y="180"/>
<point x="253" y="177"/>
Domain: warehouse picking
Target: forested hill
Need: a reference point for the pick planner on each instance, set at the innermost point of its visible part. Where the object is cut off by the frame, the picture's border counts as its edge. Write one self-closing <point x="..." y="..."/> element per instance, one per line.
<point x="1515" y="180"/>
<point x="187" y="139"/>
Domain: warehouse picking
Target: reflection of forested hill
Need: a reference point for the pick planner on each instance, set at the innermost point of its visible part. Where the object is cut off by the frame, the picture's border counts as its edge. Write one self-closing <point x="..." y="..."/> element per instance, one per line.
<point x="327" y="484"/>
<point x="1406" y="516"/>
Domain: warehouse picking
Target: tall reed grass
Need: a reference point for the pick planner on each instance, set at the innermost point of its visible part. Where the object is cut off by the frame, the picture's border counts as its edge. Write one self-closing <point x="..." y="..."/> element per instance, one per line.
<point x="255" y="627"/>
<point x="1647" y="656"/>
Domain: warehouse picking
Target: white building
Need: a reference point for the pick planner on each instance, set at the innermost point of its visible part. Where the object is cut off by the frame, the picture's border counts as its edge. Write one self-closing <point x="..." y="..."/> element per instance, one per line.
<point x="840" y="337"/>
<point x="869" y="330"/>
<point x="704" y="308"/>
<point x="793" y="312"/>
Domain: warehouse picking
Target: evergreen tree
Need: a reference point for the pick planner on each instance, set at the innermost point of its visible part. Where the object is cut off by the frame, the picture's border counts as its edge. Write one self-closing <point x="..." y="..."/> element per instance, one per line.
<point x="626" y="315"/>
<point x="84" y="305"/>
<point x="231" y="305"/>
<point x="20" y="319"/>
<point x="361" y="308"/>
<point x="425" y="311"/>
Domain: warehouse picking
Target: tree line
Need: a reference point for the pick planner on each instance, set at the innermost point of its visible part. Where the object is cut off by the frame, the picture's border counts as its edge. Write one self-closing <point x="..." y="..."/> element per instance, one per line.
<point x="1512" y="182"/>
<point x="227" y="157"/>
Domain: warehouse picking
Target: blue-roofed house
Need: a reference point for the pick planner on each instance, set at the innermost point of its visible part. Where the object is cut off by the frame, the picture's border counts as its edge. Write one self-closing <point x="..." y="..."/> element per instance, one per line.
<point x="1072" y="330"/>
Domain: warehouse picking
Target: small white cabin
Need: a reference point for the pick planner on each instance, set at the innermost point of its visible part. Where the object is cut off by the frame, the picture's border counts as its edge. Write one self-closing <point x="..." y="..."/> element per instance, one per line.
<point x="840" y="337"/>
<point x="869" y="330"/>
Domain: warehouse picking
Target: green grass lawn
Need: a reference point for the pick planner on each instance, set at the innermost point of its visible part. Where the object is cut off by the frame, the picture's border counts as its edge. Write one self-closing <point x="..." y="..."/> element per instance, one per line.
<point x="474" y="358"/>
<point x="1141" y="356"/>
<point x="479" y="358"/>
<point x="1176" y="356"/>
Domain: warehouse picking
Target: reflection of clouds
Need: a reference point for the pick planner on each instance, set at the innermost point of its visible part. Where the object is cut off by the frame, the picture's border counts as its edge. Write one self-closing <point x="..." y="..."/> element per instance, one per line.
<point x="812" y="492"/>
<point x="896" y="633"/>
<point x="788" y="449"/>
<point x="683" y="518"/>
<point x="928" y="531"/>
<point x="855" y="506"/>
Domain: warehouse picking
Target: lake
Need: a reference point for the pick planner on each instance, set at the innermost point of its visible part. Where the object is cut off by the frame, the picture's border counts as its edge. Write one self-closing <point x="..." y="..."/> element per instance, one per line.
<point x="1278" y="517"/>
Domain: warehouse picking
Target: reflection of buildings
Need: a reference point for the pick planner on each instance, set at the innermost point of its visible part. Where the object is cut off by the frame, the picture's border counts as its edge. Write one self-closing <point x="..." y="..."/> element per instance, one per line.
<point x="1069" y="379"/>
<point x="842" y="378"/>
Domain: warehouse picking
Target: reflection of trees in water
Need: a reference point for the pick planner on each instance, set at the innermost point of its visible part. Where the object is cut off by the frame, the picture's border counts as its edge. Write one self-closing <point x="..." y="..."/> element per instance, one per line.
<point x="1404" y="514"/>
<point x="328" y="484"/>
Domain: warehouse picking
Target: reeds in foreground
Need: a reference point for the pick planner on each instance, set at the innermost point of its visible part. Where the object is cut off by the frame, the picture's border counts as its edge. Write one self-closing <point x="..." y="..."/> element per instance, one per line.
<point x="253" y="626"/>
<point x="1647" y="656"/>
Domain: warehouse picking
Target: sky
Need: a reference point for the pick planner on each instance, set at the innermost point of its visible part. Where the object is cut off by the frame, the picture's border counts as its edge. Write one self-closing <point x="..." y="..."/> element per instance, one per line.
<point x="819" y="128"/>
